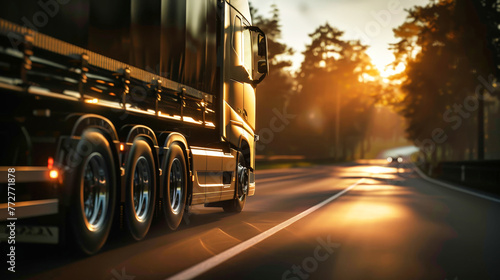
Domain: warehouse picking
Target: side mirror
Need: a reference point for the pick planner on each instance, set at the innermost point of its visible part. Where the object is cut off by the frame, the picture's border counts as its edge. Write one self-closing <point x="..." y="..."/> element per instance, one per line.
<point x="260" y="61"/>
<point x="262" y="46"/>
<point x="262" y="67"/>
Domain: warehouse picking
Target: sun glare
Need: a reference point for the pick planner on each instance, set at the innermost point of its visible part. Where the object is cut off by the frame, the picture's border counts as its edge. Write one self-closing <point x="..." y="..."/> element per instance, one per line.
<point x="382" y="61"/>
<point x="387" y="71"/>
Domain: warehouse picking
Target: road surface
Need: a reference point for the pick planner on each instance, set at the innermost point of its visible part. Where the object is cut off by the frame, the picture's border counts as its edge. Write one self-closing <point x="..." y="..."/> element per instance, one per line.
<point x="364" y="220"/>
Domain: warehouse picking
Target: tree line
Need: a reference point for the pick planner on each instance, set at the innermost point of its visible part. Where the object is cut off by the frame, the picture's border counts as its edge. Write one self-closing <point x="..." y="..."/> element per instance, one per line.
<point x="451" y="50"/>
<point x="446" y="95"/>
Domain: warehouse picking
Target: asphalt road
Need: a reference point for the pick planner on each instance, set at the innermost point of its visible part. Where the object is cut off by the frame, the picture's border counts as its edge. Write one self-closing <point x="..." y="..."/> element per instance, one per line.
<point x="366" y="220"/>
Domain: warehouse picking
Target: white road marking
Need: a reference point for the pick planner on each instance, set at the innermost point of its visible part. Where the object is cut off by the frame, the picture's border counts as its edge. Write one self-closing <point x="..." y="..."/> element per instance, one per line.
<point x="450" y="186"/>
<point x="216" y="260"/>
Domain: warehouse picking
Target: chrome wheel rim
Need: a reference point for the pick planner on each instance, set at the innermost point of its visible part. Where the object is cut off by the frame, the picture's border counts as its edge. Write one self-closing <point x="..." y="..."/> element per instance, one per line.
<point x="176" y="186"/>
<point x="95" y="192"/>
<point x="141" y="188"/>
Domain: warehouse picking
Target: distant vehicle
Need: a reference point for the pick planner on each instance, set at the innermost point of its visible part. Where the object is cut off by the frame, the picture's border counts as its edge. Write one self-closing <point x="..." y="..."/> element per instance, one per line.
<point x="115" y="111"/>
<point x="398" y="159"/>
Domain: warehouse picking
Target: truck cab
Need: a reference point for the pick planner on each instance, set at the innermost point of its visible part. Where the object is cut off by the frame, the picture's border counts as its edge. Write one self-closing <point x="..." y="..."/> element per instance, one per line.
<point x="241" y="77"/>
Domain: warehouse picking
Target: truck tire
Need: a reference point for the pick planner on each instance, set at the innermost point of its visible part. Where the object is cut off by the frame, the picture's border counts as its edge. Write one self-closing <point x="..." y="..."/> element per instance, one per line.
<point x="93" y="199"/>
<point x="240" y="195"/>
<point x="175" y="186"/>
<point x="140" y="188"/>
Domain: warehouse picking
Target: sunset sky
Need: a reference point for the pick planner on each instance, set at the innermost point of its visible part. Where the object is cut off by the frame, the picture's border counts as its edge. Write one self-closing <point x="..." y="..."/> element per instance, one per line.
<point x="371" y="21"/>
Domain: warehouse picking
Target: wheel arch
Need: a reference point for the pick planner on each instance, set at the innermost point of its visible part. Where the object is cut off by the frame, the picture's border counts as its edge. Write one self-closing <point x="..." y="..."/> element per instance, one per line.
<point x="83" y="122"/>
<point x="86" y="122"/>
<point x="246" y="150"/>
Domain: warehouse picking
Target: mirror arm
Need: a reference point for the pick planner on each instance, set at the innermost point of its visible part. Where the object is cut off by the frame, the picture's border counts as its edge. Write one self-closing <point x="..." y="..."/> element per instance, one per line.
<point x="255" y="29"/>
<point x="255" y="83"/>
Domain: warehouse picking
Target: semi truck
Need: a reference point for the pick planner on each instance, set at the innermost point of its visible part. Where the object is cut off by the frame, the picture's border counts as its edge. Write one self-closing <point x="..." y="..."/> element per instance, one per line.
<point x="118" y="112"/>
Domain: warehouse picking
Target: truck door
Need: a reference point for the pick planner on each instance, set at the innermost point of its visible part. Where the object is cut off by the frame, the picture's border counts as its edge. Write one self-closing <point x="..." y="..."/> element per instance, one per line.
<point x="241" y="44"/>
<point x="248" y="89"/>
<point x="236" y="74"/>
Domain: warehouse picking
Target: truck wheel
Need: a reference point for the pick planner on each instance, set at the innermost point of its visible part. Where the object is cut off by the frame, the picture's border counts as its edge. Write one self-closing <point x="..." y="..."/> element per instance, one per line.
<point x="94" y="193"/>
<point x="236" y="205"/>
<point x="140" y="189"/>
<point x="175" y="190"/>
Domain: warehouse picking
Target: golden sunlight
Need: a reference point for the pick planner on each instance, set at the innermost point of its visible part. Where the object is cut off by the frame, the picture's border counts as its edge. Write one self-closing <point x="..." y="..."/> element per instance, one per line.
<point x="382" y="61"/>
<point x="390" y="71"/>
<point x="372" y="211"/>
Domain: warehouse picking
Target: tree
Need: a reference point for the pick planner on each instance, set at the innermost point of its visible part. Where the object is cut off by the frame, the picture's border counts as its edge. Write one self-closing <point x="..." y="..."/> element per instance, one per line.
<point x="445" y="46"/>
<point x="334" y="102"/>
